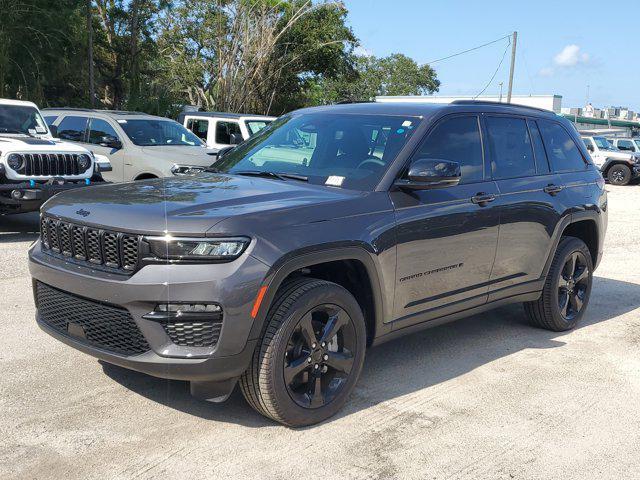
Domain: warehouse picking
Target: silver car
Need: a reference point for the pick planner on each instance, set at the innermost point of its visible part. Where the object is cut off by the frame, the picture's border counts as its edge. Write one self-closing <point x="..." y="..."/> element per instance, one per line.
<point x="139" y="146"/>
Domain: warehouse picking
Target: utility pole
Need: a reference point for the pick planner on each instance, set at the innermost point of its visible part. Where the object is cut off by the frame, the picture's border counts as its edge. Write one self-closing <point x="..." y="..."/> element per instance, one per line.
<point x="92" y="88"/>
<point x="514" y="42"/>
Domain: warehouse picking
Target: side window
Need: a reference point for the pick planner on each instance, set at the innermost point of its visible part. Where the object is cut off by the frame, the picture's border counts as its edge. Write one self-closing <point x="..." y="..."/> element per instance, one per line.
<point x="224" y="131"/>
<point x="100" y="129"/>
<point x="560" y="147"/>
<point x="510" y="147"/>
<point x="49" y="119"/>
<point x="199" y="127"/>
<point x="73" y="128"/>
<point x="542" y="162"/>
<point x="456" y="139"/>
<point x="626" y="145"/>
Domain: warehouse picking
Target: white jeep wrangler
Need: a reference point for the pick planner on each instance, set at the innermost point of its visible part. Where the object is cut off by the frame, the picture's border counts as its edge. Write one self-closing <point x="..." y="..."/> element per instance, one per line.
<point x="34" y="166"/>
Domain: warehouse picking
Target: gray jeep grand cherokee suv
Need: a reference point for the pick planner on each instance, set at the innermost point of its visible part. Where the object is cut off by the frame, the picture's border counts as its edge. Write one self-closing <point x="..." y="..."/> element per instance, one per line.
<point x="333" y="229"/>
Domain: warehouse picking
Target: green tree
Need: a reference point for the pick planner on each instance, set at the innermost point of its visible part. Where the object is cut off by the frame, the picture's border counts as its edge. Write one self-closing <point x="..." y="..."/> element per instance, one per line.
<point x="396" y="74"/>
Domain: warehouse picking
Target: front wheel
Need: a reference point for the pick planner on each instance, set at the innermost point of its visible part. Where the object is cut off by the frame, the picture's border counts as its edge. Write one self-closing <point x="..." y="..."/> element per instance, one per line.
<point x="567" y="288"/>
<point x="311" y="354"/>
<point x="619" y="174"/>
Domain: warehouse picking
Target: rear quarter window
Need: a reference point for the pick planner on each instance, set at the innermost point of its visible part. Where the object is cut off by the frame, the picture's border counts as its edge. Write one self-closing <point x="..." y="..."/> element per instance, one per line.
<point x="561" y="149"/>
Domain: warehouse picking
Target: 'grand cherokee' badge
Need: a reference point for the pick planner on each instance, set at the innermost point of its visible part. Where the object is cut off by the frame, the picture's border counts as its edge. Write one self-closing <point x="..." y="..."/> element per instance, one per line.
<point x="83" y="213"/>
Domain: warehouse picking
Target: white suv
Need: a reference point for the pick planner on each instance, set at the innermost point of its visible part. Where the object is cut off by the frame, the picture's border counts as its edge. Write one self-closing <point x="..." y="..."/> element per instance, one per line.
<point x="33" y="165"/>
<point x="139" y="146"/>
<point x="618" y="167"/>
<point x="626" y="144"/>
<point x="221" y="130"/>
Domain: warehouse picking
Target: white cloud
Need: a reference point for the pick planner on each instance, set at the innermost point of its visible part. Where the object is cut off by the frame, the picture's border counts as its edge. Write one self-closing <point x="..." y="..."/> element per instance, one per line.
<point x="362" y="51"/>
<point x="570" y="56"/>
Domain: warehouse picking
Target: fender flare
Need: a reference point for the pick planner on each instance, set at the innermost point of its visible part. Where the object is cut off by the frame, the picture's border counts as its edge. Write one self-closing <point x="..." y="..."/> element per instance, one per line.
<point x="296" y="261"/>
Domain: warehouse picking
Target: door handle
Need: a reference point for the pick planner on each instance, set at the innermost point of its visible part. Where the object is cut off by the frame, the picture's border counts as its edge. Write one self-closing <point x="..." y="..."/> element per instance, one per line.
<point x="552" y="189"/>
<point x="483" y="198"/>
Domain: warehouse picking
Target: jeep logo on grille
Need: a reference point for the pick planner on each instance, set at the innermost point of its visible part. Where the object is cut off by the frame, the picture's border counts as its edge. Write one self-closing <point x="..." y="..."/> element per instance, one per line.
<point x="83" y="213"/>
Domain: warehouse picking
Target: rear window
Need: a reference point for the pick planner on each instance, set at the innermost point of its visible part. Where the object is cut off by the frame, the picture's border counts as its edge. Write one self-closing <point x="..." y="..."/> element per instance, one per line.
<point x="50" y="119"/>
<point x="560" y="147"/>
<point x="510" y="146"/>
<point x="73" y="128"/>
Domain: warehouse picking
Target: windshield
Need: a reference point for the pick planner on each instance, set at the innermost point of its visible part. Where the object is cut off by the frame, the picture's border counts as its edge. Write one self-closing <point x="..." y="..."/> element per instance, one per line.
<point x="152" y="132"/>
<point x="254" y="126"/>
<point x="602" y="142"/>
<point x="21" y="119"/>
<point x="637" y="142"/>
<point x="340" y="150"/>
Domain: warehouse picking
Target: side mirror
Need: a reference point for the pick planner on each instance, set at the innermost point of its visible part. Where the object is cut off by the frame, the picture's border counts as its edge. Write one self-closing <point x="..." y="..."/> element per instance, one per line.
<point x="110" y="141"/>
<point x="54" y="131"/>
<point x="235" y="139"/>
<point x="429" y="173"/>
<point x="223" y="151"/>
<point x="590" y="148"/>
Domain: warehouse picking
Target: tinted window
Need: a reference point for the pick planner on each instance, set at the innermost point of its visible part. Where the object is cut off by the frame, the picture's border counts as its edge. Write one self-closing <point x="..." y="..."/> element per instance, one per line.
<point x="626" y="145"/>
<point x="99" y="130"/>
<point x="224" y="131"/>
<point x="456" y="139"/>
<point x="50" y="119"/>
<point x="560" y="147"/>
<point x="73" y="128"/>
<point x="254" y="126"/>
<point x="510" y="146"/>
<point x="199" y="127"/>
<point x="542" y="163"/>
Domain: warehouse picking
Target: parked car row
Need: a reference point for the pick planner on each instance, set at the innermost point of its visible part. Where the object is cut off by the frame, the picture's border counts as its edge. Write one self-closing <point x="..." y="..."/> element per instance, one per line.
<point x="618" y="159"/>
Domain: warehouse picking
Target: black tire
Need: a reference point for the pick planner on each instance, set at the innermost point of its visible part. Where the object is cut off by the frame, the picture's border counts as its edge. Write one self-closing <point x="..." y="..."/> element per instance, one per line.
<point x="619" y="174"/>
<point x="264" y="385"/>
<point x="549" y="311"/>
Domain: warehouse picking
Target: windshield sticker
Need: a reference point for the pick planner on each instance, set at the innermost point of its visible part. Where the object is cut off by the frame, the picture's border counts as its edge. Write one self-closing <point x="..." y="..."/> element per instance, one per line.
<point x="41" y="130"/>
<point x="334" y="180"/>
<point x="121" y="121"/>
<point x="32" y="131"/>
<point x="400" y="131"/>
<point x="406" y="123"/>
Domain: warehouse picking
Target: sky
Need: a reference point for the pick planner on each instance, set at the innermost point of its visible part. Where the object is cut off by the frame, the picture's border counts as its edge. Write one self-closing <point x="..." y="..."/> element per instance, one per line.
<point x="565" y="47"/>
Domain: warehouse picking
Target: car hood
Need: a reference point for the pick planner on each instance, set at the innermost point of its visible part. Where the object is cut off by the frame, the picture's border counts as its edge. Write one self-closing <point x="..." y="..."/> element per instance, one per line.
<point x="182" y="155"/>
<point x="26" y="144"/>
<point x="189" y="205"/>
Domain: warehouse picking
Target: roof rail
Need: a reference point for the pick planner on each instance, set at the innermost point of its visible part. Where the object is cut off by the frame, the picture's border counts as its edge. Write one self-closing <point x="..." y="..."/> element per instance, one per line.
<point x="79" y="109"/>
<point x="492" y="103"/>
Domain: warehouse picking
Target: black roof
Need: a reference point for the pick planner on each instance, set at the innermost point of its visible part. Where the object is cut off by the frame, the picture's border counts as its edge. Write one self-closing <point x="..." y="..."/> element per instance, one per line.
<point x="428" y="109"/>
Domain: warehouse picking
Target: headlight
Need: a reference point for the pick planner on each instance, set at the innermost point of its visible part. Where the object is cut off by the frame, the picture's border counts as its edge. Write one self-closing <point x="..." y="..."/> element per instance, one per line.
<point x="15" y="161"/>
<point x="84" y="161"/>
<point x="215" y="249"/>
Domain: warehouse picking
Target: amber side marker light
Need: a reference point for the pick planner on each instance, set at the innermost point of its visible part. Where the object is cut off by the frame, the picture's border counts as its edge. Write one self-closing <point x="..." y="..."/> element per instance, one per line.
<point x="256" y="304"/>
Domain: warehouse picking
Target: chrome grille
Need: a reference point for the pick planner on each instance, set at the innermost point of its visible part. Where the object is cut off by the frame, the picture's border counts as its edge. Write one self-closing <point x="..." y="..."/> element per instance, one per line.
<point x="51" y="164"/>
<point x="113" y="250"/>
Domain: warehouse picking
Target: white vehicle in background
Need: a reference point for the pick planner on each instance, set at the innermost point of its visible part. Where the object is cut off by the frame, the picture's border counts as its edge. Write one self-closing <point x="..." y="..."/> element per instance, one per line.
<point x="33" y="165"/>
<point x="139" y="146"/>
<point x="617" y="166"/>
<point x="626" y="144"/>
<point x="221" y="130"/>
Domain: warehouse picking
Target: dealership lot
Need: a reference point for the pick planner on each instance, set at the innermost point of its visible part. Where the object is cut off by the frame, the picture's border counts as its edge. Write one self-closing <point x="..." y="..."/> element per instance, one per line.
<point x="486" y="397"/>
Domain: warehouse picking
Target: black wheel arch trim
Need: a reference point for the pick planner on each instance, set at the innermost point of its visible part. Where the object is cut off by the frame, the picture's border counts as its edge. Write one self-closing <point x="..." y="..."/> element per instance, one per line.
<point x="300" y="259"/>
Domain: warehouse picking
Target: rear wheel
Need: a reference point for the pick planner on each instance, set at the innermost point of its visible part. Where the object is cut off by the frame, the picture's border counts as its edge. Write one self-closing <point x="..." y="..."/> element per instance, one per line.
<point x="310" y="356"/>
<point x="567" y="289"/>
<point x="619" y="174"/>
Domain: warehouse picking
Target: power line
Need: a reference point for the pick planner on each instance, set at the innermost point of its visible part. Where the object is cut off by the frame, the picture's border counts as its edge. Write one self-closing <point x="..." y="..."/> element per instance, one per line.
<point x="496" y="72"/>
<point x="470" y="49"/>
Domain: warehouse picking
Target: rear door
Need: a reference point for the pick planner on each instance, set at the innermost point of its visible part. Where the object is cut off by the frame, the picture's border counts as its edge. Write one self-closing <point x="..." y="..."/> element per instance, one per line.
<point x="446" y="238"/>
<point x="530" y="200"/>
<point x="100" y="131"/>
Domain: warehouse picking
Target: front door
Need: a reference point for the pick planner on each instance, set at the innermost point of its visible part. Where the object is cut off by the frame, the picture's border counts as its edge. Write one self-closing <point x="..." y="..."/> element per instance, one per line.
<point x="446" y="238"/>
<point x="99" y="132"/>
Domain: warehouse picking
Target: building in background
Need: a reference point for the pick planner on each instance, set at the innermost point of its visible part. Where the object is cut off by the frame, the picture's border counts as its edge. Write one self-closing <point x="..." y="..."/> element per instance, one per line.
<point x="546" y="102"/>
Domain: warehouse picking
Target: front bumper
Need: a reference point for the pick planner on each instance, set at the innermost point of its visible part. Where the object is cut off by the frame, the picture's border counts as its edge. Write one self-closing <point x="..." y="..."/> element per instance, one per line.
<point x="28" y="196"/>
<point x="232" y="285"/>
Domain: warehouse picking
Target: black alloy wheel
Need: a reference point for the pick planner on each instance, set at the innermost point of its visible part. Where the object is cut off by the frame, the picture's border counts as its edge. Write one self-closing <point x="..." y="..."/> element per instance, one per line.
<point x="319" y="356"/>
<point x="573" y="283"/>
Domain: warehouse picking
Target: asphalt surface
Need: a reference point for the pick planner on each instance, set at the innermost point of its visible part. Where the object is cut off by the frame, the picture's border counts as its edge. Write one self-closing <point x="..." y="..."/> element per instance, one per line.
<point x="485" y="397"/>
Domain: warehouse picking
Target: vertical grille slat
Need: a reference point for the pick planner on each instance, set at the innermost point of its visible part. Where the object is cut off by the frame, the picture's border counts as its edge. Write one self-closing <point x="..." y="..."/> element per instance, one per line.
<point x="113" y="250"/>
<point x="51" y="164"/>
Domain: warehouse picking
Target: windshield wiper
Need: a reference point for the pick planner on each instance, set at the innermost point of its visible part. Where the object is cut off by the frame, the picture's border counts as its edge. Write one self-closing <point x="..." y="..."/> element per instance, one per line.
<point x="11" y="130"/>
<point x="267" y="174"/>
